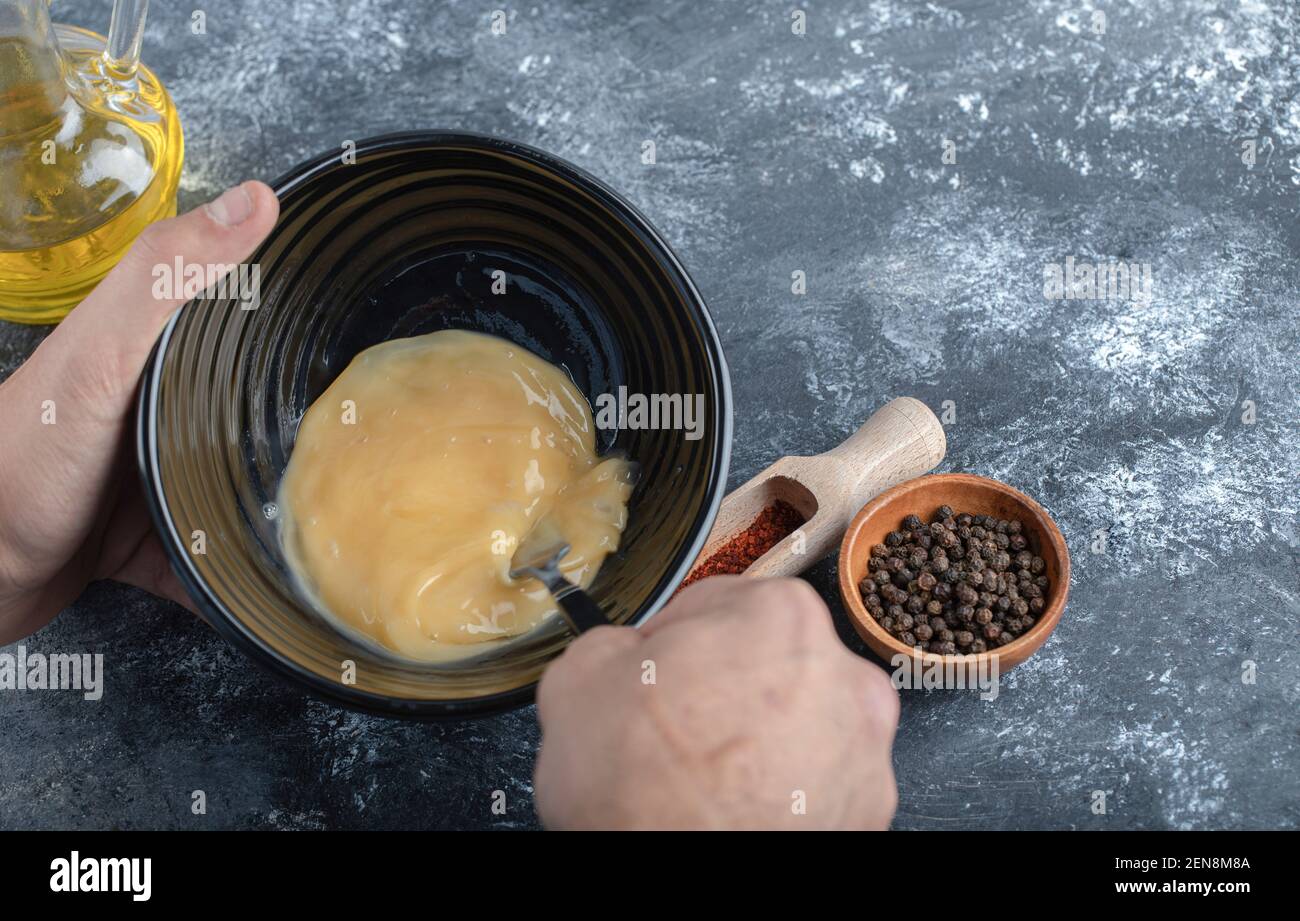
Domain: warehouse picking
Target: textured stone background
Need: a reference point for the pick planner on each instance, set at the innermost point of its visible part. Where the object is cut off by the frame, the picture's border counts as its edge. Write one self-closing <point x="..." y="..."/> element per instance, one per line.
<point x="822" y="153"/>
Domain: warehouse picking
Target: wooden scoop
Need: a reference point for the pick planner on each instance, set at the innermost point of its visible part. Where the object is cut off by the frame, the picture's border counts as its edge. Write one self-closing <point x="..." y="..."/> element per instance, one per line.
<point x="901" y="441"/>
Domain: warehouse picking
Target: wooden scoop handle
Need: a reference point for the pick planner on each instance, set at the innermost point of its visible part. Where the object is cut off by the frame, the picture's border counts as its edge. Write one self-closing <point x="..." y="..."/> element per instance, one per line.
<point x="902" y="440"/>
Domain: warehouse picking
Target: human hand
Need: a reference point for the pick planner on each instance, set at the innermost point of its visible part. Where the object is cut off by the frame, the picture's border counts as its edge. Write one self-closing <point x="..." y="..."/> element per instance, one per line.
<point x="756" y="709"/>
<point x="70" y="504"/>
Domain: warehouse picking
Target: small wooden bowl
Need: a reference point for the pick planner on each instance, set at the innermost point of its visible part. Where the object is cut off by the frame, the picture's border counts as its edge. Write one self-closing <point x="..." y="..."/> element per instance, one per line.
<point x="974" y="495"/>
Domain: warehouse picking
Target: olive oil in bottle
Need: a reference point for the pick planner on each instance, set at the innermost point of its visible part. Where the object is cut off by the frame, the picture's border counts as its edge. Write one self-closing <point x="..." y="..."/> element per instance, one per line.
<point x="90" y="155"/>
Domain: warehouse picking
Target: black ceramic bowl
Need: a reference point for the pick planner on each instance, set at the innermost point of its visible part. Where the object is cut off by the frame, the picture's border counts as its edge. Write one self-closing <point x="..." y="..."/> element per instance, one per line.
<point x="405" y="241"/>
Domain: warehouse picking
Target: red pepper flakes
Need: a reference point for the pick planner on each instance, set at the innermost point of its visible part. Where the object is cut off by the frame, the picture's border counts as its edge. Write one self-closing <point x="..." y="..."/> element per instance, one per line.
<point x="775" y="523"/>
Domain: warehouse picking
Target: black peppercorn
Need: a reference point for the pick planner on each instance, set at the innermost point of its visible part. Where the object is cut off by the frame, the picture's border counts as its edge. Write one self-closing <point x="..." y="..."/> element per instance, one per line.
<point x="963" y="581"/>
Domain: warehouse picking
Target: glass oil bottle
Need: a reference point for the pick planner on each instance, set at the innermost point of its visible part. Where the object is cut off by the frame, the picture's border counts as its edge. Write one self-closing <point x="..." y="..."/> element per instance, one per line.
<point x="90" y="155"/>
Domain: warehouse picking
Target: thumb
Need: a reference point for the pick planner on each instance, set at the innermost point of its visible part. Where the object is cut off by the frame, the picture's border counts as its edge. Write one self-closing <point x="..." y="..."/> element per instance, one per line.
<point x="56" y="480"/>
<point x="115" y="327"/>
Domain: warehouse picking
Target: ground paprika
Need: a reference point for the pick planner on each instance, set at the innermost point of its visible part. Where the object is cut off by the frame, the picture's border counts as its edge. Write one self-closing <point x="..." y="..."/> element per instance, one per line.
<point x="776" y="522"/>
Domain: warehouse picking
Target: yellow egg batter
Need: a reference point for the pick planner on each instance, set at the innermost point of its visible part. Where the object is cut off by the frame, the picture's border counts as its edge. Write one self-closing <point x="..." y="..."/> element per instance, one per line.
<point x="416" y="474"/>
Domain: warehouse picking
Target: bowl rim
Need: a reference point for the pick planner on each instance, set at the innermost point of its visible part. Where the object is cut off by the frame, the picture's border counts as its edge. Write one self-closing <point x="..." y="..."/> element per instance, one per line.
<point x="213" y="612"/>
<point x="1027" y="643"/>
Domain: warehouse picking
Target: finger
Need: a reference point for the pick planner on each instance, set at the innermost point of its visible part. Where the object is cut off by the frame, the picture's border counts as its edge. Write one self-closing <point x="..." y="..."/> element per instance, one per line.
<point x="578" y="663"/>
<point x="881" y="698"/>
<point x="697" y="598"/>
<point x="120" y="320"/>
<point x="129" y="550"/>
<point x="149" y="569"/>
<point x="69" y="402"/>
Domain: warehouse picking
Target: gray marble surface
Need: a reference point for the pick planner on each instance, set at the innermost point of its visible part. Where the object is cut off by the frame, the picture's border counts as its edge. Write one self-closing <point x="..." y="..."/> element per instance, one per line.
<point x="823" y="154"/>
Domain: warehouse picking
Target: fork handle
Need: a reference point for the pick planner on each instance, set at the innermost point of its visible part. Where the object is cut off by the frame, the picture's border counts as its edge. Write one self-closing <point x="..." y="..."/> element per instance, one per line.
<point x="578" y="608"/>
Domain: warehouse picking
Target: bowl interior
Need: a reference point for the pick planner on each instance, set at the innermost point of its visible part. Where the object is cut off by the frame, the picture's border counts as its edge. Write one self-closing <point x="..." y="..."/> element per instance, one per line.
<point x="966" y="493"/>
<point x="417" y="236"/>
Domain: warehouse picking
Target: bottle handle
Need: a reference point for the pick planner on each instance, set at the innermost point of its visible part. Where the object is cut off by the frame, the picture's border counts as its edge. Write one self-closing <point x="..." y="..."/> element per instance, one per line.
<point x="125" y="35"/>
